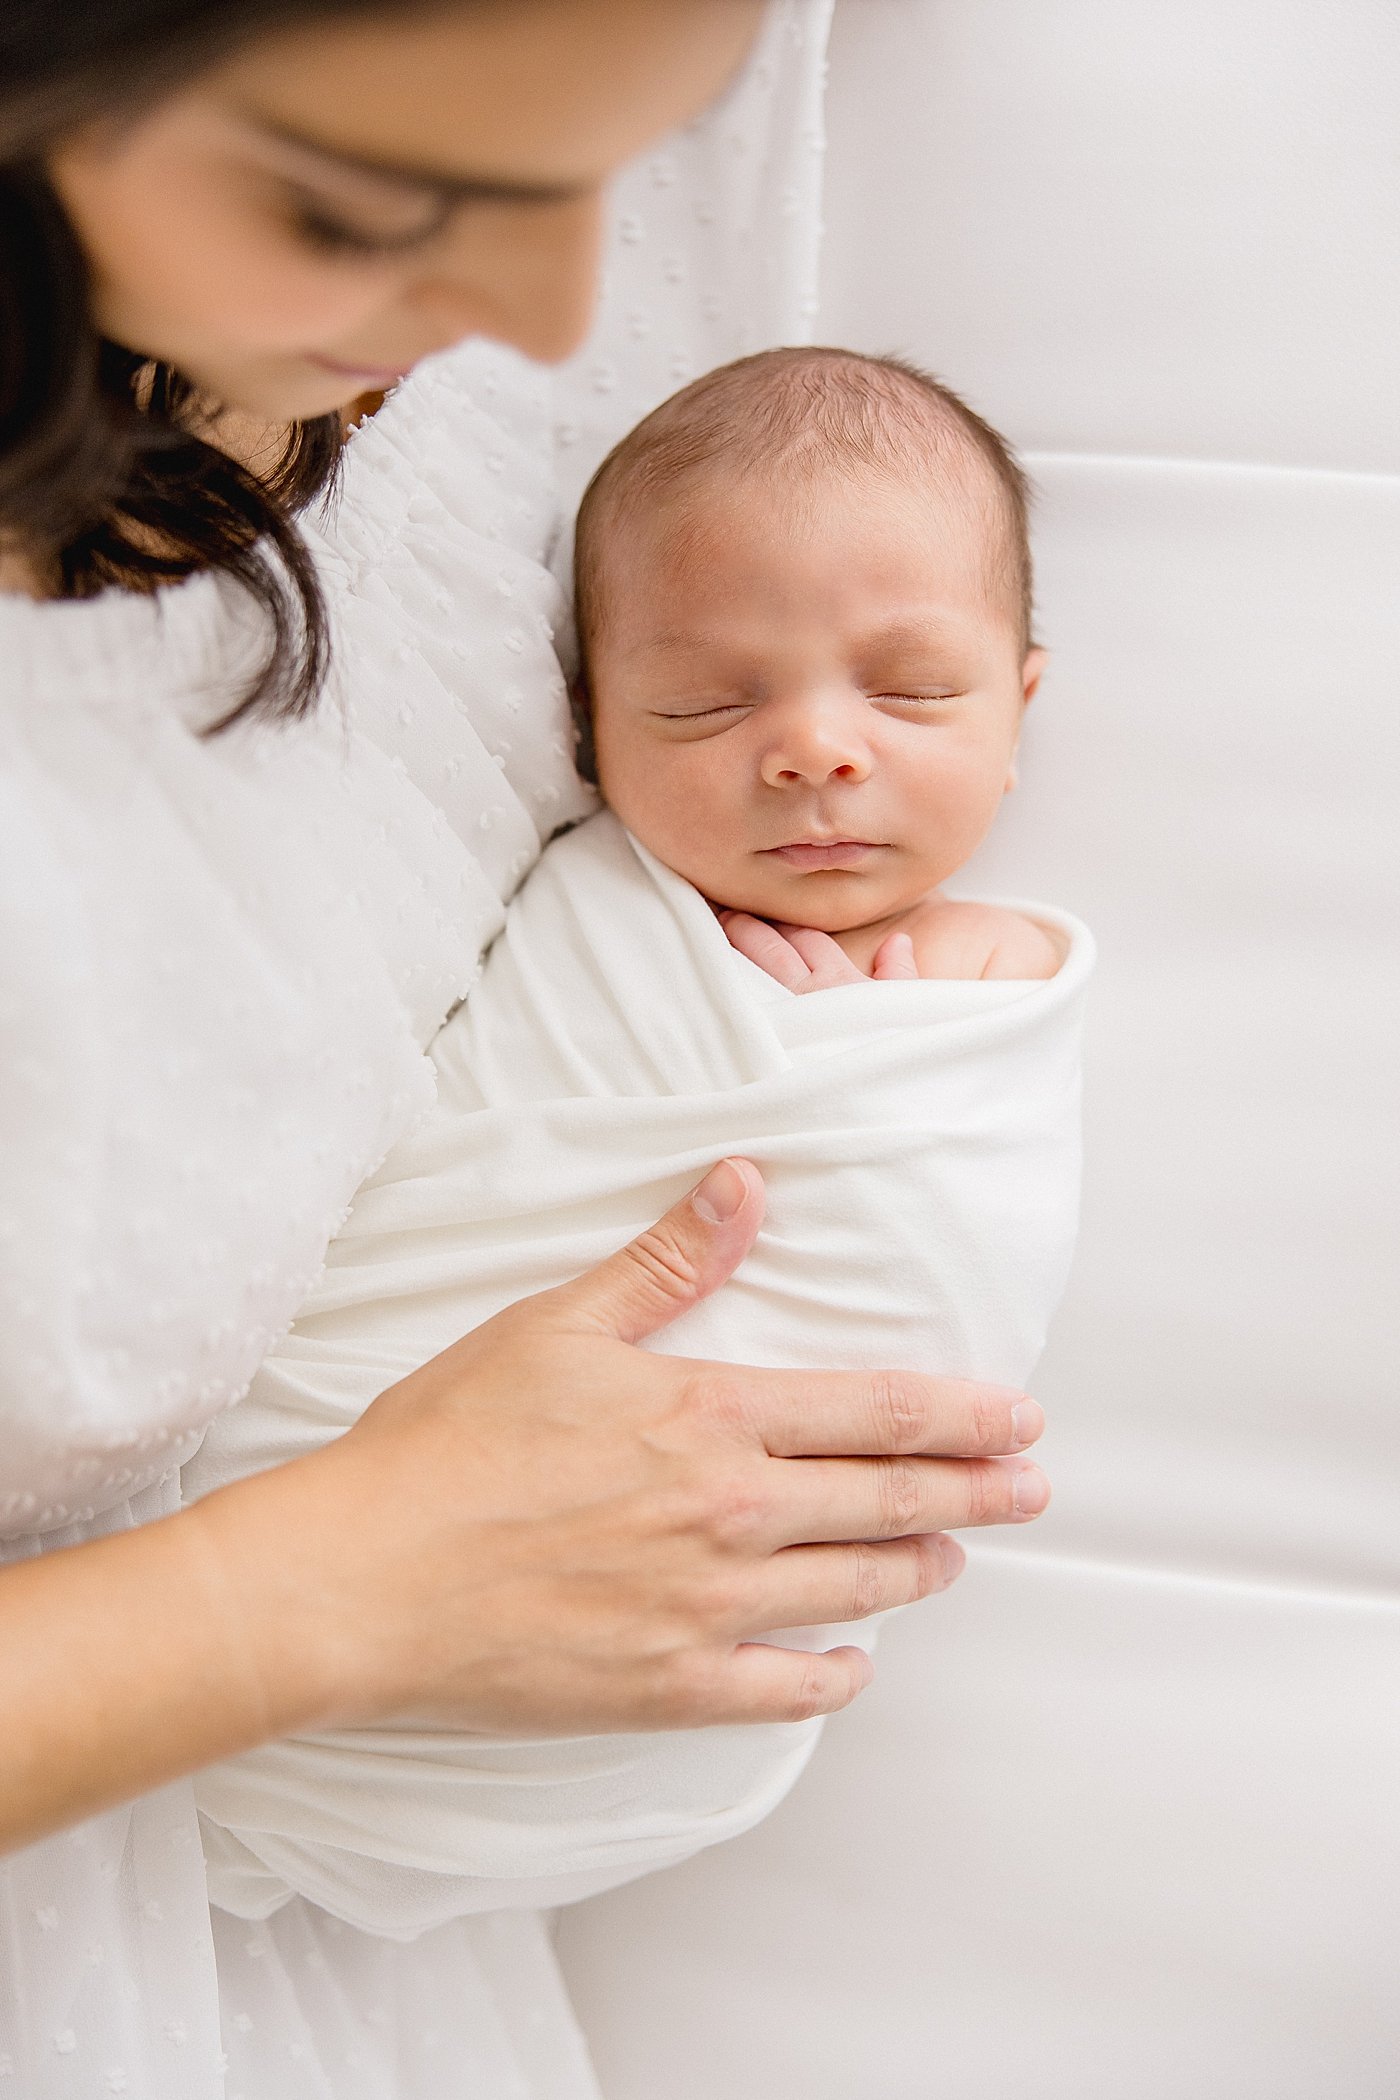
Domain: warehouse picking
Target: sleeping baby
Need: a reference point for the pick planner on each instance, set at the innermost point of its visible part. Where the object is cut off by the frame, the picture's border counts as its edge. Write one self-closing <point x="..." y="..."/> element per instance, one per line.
<point x="803" y="603"/>
<point x="803" y="593"/>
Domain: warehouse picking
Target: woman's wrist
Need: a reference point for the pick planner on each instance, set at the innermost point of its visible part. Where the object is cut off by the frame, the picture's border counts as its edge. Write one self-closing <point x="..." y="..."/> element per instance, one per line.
<point x="132" y="1661"/>
<point x="274" y="1586"/>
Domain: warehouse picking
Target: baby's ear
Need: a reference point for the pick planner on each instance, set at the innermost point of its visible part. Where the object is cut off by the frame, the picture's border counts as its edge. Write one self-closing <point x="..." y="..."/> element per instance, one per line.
<point x="581" y="708"/>
<point x="1031" y="672"/>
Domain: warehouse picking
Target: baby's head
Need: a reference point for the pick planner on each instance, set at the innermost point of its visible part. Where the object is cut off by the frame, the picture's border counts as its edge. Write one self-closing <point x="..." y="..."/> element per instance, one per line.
<point x="803" y="589"/>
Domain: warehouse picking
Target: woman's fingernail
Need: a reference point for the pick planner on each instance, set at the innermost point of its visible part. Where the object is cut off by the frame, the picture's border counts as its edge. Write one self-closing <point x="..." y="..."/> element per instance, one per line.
<point x="1027" y="1422"/>
<point x="954" y="1559"/>
<point x="1031" y="1492"/>
<point x="721" y="1194"/>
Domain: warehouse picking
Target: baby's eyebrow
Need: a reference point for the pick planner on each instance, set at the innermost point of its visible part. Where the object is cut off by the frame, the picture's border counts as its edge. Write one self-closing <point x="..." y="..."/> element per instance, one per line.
<point x="912" y="631"/>
<point x="718" y="650"/>
<point x="674" y="639"/>
<point x="916" y="631"/>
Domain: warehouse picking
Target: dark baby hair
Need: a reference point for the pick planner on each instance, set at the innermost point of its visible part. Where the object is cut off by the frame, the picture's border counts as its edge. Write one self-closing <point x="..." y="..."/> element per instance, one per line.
<point x="806" y="411"/>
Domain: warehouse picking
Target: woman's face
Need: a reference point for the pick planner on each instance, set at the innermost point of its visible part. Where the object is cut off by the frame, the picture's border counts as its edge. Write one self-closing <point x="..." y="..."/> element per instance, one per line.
<point x="309" y="219"/>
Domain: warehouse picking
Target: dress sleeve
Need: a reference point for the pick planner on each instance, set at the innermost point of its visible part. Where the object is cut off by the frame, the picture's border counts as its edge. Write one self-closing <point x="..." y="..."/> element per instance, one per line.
<point x="452" y="631"/>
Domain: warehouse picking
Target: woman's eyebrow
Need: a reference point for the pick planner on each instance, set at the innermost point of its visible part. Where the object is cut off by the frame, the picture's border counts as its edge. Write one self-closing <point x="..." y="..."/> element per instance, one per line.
<point x="448" y="187"/>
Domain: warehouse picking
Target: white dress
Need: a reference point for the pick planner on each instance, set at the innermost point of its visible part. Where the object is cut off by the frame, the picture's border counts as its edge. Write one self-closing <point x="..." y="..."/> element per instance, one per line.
<point x="222" y="961"/>
<point x="220" y="964"/>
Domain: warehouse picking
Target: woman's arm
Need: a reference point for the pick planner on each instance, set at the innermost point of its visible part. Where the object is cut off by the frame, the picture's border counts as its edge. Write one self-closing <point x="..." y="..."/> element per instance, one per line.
<point x="545" y="1530"/>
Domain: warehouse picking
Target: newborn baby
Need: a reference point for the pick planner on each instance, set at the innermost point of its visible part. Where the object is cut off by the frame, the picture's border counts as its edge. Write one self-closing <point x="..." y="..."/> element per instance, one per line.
<point x="803" y="589"/>
<point x="803" y="602"/>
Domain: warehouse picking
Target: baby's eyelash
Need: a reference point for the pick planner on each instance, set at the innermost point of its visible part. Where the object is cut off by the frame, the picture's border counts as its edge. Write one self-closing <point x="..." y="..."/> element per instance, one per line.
<point x="918" y="699"/>
<point x="698" y="714"/>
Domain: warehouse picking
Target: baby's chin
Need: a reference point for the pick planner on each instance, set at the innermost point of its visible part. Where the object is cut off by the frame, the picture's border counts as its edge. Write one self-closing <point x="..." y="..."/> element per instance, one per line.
<point x="832" y="901"/>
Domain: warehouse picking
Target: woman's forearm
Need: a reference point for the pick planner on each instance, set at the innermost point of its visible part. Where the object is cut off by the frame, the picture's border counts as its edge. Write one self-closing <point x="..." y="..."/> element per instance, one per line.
<point x="123" y="1665"/>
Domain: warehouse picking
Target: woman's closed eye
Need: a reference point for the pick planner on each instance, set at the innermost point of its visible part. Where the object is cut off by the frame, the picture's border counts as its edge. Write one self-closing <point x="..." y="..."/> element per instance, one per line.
<point x="332" y="232"/>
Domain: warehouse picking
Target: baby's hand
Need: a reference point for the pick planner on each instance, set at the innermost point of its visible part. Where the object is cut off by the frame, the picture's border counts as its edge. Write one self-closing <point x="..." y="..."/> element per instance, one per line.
<point x="807" y="961"/>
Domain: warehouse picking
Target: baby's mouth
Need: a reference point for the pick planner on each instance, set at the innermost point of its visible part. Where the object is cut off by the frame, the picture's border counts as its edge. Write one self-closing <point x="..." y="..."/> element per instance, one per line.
<point x="811" y="854"/>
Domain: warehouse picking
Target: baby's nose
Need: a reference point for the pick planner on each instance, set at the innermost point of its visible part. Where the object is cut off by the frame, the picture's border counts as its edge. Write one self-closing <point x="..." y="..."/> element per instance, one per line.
<point x="813" y="748"/>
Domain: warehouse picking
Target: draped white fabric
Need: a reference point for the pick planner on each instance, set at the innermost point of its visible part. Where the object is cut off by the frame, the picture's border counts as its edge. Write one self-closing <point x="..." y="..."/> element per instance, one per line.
<point x="219" y="965"/>
<point x="920" y="1147"/>
<point x="1118" y="1820"/>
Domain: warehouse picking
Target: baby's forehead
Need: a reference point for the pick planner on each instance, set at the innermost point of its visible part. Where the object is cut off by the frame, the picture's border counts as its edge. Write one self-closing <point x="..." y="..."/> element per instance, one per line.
<point x="790" y="435"/>
<point x="701" y="509"/>
<point x="806" y="540"/>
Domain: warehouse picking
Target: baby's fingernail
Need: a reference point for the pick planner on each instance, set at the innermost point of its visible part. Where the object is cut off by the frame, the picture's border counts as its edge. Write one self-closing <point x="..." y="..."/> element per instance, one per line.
<point x="953" y="1557"/>
<point x="721" y="1194"/>
<point x="1031" y="1492"/>
<point x="1027" y="1422"/>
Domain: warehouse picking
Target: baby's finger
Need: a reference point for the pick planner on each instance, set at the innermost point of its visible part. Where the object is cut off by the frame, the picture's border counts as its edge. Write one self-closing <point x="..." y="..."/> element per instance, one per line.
<point x="764" y="945"/>
<point x="824" y="957"/>
<point x="894" y="958"/>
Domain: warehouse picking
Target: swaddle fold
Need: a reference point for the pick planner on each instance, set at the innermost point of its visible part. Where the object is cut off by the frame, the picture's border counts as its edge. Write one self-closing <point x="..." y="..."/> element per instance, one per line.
<point x="919" y="1142"/>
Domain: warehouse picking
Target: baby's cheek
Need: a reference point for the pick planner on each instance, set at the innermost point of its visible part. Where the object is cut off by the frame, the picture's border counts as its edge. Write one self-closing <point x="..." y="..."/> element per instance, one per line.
<point x="665" y="800"/>
<point x="955" y="809"/>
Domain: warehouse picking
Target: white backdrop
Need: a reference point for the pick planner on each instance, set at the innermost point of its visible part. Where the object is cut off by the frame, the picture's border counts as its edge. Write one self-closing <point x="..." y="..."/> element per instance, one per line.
<point x="1119" y="1820"/>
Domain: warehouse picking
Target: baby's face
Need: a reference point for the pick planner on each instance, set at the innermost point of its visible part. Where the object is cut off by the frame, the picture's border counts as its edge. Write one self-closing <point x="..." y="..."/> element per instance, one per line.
<point x="808" y="702"/>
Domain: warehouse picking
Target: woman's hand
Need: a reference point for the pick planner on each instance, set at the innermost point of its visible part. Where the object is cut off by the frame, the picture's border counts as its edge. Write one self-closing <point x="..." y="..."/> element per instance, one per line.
<point x="808" y="961"/>
<point x="549" y="1530"/>
<point x="546" y="1530"/>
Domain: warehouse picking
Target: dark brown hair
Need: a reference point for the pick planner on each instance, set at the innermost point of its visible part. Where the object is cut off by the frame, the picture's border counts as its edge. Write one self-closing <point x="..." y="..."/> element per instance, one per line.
<point x="807" y="410"/>
<point x="104" y="476"/>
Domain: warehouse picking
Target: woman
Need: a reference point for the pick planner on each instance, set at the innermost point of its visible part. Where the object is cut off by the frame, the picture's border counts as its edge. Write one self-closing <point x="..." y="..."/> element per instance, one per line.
<point x="227" y="930"/>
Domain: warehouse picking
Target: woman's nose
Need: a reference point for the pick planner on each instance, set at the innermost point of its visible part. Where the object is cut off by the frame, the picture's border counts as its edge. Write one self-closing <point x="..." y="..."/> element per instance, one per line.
<point x="815" y="745"/>
<point x="527" y="276"/>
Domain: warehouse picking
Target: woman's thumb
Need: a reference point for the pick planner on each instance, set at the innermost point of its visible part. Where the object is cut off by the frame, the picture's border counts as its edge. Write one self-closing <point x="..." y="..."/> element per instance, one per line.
<point x="667" y="1269"/>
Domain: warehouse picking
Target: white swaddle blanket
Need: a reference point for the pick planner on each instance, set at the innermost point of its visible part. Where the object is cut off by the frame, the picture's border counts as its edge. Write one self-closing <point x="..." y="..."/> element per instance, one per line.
<point x="919" y="1141"/>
